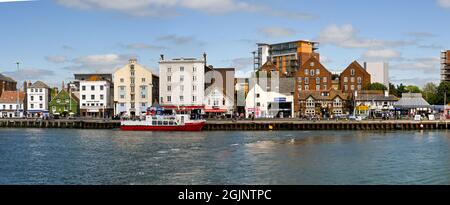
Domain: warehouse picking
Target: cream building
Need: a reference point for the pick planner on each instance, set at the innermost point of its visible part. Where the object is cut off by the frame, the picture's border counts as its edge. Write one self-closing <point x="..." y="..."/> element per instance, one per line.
<point x="132" y="89"/>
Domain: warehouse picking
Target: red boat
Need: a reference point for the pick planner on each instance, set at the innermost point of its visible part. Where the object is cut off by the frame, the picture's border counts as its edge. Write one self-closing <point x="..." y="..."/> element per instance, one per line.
<point x="163" y="123"/>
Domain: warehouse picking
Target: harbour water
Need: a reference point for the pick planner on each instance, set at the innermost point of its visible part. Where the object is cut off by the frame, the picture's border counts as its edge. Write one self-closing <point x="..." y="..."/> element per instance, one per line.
<point x="76" y="156"/>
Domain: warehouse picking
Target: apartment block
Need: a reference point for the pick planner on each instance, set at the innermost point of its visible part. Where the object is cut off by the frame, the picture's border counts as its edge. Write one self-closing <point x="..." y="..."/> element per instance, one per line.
<point x="445" y="65"/>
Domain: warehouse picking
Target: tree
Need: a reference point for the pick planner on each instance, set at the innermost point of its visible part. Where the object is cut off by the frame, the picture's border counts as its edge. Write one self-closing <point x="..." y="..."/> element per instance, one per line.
<point x="376" y="86"/>
<point x="401" y="89"/>
<point x="393" y="90"/>
<point x="412" y="89"/>
<point x="443" y="90"/>
<point x="430" y="94"/>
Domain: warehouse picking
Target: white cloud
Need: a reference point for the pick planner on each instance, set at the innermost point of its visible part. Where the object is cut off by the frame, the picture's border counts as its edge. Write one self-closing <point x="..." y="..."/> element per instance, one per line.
<point x="381" y="54"/>
<point x="171" y="7"/>
<point x="275" y="32"/>
<point x="427" y="65"/>
<point x="346" y="36"/>
<point x="7" y="1"/>
<point x="106" y="63"/>
<point x="142" y="46"/>
<point x="444" y="3"/>
<point x="56" y="59"/>
<point x="30" y="74"/>
<point x="176" y="39"/>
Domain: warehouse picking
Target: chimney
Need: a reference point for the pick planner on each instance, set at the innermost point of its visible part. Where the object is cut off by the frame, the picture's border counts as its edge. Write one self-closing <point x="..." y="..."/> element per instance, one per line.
<point x="62" y="85"/>
<point x="204" y="58"/>
<point x="133" y="61"/>
<point x="386" y="93"/>
<point x="162" y="57"/>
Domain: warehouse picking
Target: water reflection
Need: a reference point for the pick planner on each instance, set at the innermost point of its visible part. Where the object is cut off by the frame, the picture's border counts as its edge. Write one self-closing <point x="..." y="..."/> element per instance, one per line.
<point x="38" y="156"/>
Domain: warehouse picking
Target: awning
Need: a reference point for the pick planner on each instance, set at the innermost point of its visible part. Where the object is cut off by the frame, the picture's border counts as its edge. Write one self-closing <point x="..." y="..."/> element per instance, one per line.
<point x="362" y="108"/>
<point x="216" y="110"/>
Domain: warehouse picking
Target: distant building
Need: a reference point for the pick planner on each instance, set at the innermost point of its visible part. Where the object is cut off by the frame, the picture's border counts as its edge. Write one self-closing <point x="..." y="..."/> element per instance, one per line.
<point x="133" y="87"/>
<point x="182" y="84"/>
<point x="219" y="93"/>
<point x="241" y="88"/>
<point x="7" y="84"/>
<point x="8" y="104"/>
<point x="354" y="78"/>
<point x="445" y="65"/>
<point x="286" y="56"/>
<point x="411" y="104"/>
<point x="96" y="96"/>
<point x="379" y="72"/>
<point x="64" y="104"/>
<point x="370" y="102"/>
<point x="323" y="103"/>
<point x="271" y="99"/>
<point x="155" y="89"/>
<point x="38" y="97"/>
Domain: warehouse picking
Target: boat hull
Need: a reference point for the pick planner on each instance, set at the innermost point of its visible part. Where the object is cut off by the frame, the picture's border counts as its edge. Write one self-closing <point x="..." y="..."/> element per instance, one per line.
<point x="192" y="127"/>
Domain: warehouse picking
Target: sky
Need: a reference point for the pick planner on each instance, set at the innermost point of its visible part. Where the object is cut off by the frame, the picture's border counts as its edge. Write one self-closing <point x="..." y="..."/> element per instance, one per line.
<point x="53" y="39"/>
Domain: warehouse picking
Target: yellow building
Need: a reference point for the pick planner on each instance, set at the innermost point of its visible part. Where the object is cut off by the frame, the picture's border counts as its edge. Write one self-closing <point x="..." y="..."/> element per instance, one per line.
<point x="132" y="89"/>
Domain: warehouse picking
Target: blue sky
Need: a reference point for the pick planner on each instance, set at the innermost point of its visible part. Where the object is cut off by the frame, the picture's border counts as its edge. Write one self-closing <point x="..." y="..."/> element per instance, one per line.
<point x="55" y="38"/>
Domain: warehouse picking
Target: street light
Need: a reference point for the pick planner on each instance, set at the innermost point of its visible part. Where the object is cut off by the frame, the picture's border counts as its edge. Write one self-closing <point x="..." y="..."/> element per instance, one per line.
<point x="17" y="106"/>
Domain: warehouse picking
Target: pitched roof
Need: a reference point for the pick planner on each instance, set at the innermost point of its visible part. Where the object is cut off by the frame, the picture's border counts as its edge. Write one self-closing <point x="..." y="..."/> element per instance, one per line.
<point x="374" y="95"/>
<point x="11" y="97"/>
<point x="357" y="65"/>
<point x="286" y="85"/>
<point x="268" y="66"/>
<point x="322" y="95"/>
<point x="412" y="100"/>
<point x="6" y="78"/>
<point x="39" y="84"/>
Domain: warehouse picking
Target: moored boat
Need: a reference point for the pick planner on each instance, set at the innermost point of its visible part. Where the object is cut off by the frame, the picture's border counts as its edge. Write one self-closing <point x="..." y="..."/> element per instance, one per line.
<point x="178" y="122"/>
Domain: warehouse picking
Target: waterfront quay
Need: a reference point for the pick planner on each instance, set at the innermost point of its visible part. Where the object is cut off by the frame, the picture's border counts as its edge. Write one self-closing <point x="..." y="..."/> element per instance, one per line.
<point x="249" y="125"/>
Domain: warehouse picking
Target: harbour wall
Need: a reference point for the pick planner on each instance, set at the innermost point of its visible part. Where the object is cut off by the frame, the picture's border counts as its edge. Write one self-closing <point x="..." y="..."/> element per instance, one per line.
<point x="243" y="125"/>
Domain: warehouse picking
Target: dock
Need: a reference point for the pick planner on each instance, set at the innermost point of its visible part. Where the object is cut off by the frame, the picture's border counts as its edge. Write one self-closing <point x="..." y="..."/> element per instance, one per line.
<point x="242" y="125"/>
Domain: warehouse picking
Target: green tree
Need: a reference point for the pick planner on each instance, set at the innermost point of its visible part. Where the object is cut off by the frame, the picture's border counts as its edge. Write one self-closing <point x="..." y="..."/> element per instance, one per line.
<point x="412" y="89"/>
<point x="376" y="86"/>
<point x="401" y="89"/>
<point x="430" y="94"/>
<point x="443" y="90"/>
<point x="393" y="90"/>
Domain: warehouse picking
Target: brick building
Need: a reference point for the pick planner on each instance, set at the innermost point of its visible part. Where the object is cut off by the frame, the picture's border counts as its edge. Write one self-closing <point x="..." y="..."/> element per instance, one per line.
<point x="7" y="84"/>
<point x="353" y="78"/>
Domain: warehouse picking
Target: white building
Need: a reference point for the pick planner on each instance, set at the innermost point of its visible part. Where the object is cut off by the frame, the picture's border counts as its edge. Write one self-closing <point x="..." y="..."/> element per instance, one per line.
<point x="38" y="97"/>
<point x="8" y="104"/>
<point x="182" y="84"/>
<point x="272" y="100"/>
<point x="132" y="89"/>
<point x="219" y="92"/>
<point x="96" y="98"/>
<point x="379" y="72"/>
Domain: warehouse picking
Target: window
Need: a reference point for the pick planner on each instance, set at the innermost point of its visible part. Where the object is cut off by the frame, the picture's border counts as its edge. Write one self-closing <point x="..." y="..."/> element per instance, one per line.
<point x="194" y="98"/>
<point x="143" y="80"/>
<point x="352" y="72"/>
<point x="312" y="64"/>
<point x="4" y="106"/>
<point x="10" y="107"/>
<point x="121" y="80"/>
<point x="32" y="90"/>
<point x="182" y="88"/>
<point x="181" y="98"/>
<point x="352" y="87"/>
<point x="169" y="98"/>
<point x="132" y="89"/>
<point x="337" y="102"/>
<point x="306" y="71"/>
<point x="352" y="79"/>
<point x="143" y="96"/>
<point x="359" y="87"/>
<point x="318" y="71"/>
<point x="169" y="78"/>
<point x="194" y="69"/>
<point x="317" y="81"/>
<point x="359" y="80"/>
<point x="325" y="79"/>
<point x="169" y="88"/>
<point x="317" y="87"/>
<point x="306" y="87"/>
<point x="345" y="79"/>
<point x="325" y="87"/>
<point x="194" y="88"/>
<point x="299" y="80"/>
<point x="32" y="106"/>
<point x="40" y="90"/>
<point x="169" y="69"/>
<point x="132" y="97"/>
<point x="194" y="78"/>
<point x="181" y="78"/>
<point x="84" y="104"/>
<point x="306" y="80"/>
<point x="310" y="103"/>
<point x="143" y="105"/>
<point x="83" y="97"/>
<point x="132" y="73"/>
<point x="32" y="98"/>
<point x="132" y="80"/>
<point x="40" y="98"/>
<point x="257" y="95"/>
<point x="101" y="97"/>
<point x="83" y="87"/>
<point x="122" y="96"/>
<point x="40" y="106"/>
<point x="346" y="87"/>
<point x="181" y="69"/>
<point x="92" y="87"/>
<point x="258" y="104"/>
<point x="312" y="72"/>
<point x="122" y="88"/>
<point x="132" y="105"/>
<point x="101" y="87"/>
<point x="92" y="97"/>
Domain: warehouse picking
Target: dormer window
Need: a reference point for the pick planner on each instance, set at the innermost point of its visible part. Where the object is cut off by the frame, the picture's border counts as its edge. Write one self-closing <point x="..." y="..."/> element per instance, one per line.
<point x="352" y="72"/>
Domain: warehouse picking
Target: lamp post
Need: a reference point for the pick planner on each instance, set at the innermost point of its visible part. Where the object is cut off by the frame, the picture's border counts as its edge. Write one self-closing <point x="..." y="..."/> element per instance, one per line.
<point x="254" y="86"/>
<point x="18" y="95"/>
